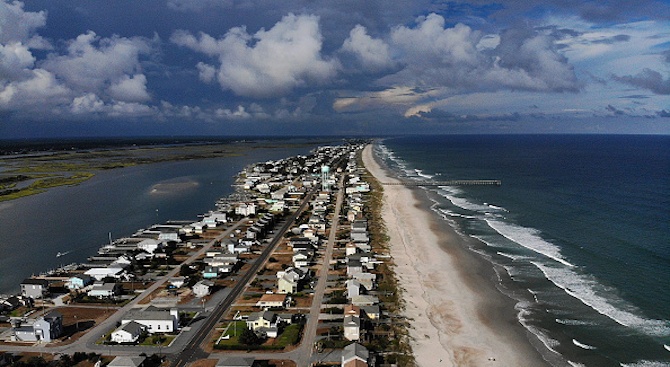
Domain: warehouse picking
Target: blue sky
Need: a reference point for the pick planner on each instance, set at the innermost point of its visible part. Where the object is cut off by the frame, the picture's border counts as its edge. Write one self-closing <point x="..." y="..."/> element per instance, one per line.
<point x="229" y="67"/>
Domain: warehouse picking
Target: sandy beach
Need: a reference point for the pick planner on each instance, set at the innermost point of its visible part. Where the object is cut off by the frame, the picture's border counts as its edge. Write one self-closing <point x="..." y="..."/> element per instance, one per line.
<point x="458" y="317"/>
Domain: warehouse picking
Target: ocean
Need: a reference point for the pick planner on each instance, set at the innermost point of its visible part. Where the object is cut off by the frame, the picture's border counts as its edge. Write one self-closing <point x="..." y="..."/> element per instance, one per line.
<point x="578" y="232"/>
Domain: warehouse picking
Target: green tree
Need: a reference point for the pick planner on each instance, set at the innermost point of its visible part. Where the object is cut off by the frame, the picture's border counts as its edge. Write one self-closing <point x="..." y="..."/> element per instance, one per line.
<point x="249" y="337"/>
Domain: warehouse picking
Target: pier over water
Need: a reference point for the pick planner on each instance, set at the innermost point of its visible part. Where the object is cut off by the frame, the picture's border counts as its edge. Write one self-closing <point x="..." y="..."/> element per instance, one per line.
<point x="447" y="183"/>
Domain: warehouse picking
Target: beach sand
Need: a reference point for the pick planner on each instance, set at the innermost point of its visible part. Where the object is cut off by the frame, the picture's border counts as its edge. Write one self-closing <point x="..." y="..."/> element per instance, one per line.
<point x="457" y="316"/>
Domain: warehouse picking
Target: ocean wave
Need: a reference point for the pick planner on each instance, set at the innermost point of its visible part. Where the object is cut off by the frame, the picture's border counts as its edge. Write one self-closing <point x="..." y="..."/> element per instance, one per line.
<point x="454" y="214"/>
<point x="587" y="290"/>
<point x="421" y="174"/>
<point x="575" y="364"/>
<point x="573" y="322"/>
<point x="528" y="238"/>
<point x="645" y="363"/>
<point x="582" y="345"/>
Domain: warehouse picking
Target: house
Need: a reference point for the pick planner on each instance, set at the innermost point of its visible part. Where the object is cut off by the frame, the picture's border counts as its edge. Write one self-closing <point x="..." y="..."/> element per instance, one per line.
<point x="128" y="333"/>
<point x="355" y="355"/>
<point x="288" y="281"/>
<point x="272" y="301"/>
<point x="104" y="272"/>
<point x="351" y="249"/>
<point x="359" y="226"/>
<point x="44" y="328"/>
<point x="169" y="237"/>
<point x="149" y="245"/>
<point x="127" y="362"/>
<point x="155" y="319"/>
<point x="177" y="282"/>
<point x="210" y="272"/>
<point x="105" y="290"/>
<point x="352" y="327"/>
<point x="364" y="300"/>
<point x="245" y="209"/>
<point x="354" y="267"/>
<point x="79" y="281"/>
<point x="302" y="259"/>
<point x="372" y="312"/>
<point x="202" y="288"/>
<point x="353" y="288"/>
<point x="236" y="362"/>
<point x="34" y="288"/>
<point x="263" y="323"/>
<point x="351" y="310"/>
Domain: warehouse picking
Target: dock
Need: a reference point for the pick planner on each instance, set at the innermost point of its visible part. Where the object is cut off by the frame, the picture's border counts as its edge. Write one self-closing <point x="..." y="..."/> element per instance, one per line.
<point x="447" y="183"/>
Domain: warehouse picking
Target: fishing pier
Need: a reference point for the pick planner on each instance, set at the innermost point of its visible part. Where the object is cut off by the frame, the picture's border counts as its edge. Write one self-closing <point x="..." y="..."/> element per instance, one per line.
<point x="447" y="183"/>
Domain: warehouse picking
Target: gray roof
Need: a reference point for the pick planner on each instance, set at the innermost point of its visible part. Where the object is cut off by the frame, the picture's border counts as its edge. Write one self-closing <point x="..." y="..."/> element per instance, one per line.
<point x="42" y="282"/>
<point x="134" y="328"/>
<point x="151" y="313"/>
<point x="266" y="315"/>
<point x="354" y="350"/>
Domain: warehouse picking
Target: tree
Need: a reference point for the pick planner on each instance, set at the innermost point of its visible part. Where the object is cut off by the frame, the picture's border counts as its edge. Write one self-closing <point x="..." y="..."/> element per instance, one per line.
<point x="249" y="337"/>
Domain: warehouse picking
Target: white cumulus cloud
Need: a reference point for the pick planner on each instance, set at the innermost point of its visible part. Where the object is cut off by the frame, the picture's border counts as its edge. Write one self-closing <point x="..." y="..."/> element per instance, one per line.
<point x="372" y="53"/>
<point x="269" y="62"/>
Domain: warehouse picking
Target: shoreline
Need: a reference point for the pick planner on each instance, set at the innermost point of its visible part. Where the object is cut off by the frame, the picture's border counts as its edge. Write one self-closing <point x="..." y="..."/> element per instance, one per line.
<point x="458" y="317"/>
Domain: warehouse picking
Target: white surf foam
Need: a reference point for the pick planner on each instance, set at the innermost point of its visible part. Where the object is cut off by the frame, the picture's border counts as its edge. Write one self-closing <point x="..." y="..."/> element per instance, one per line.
<point x="588" y="291"/>
<point x="574" y="322"/>
<point x="575" y="364"/>
<point x="582" y="345"/>
<point x="645" y="363"/>
<point x="528" y="238"/>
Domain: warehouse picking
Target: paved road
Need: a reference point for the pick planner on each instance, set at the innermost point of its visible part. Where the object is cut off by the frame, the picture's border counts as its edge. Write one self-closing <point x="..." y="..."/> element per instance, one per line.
<point x="192" y="350"/>
<point x="87" y="342"/>
<point x="304" y="354"/>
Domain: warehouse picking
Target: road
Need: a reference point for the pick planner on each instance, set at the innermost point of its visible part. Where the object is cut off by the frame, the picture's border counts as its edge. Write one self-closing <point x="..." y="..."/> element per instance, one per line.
<point x="87" y="342"/>
<point x="192" y="351"/>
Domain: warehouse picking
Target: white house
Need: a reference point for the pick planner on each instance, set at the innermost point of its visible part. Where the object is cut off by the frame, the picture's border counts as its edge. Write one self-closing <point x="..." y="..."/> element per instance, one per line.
<point x="155" y="319"/>
<point x="202" y="288"/>
<point x="288" y="280"/>
<point x="104" y="290"/>
<point x="245" y="209"/>
<point x="352" y="327"/>
<point x="355" y="355"/>
<point x="149" y="245"/>
<point x="102" y="273"/>
<point x="263" y="323"/>
<point x="128" y="333"/>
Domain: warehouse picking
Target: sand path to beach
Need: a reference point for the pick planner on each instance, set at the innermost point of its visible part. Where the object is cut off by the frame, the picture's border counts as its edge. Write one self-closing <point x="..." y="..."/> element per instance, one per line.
<point x="455" y="312"/>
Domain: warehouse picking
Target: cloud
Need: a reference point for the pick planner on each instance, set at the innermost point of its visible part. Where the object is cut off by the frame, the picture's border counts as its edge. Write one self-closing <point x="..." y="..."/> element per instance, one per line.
<point x="372" y="53"/>
<point x="40" y="89"/>
<point x="17" y="25"/>
<point x="267" y="63"/>
<point x="647" y="79"/>
<point x="454" y="58"/>
<point x="93" y="63"/>
<point x="130" y="89"/>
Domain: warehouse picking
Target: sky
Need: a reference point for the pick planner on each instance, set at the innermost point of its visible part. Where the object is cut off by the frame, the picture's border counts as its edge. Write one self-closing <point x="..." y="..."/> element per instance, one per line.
<point x="82" y="68"/>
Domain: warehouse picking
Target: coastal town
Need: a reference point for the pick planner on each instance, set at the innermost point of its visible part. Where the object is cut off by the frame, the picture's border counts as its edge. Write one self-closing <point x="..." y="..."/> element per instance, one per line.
<point x="290" y="270"/>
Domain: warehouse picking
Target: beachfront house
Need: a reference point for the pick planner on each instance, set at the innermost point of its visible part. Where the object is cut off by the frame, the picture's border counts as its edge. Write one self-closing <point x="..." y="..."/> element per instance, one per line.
<point x="156" y="320"/>
<point x="352" y="328"/>
<point x="149" y="245"/>
<point x="34" y="288"/>
<point x="355" y="355"/>
<point x="104" y="272"/>
<point x="44" y="328"/>
<point x="128" y="333"/>
<point x="353" y="288"/>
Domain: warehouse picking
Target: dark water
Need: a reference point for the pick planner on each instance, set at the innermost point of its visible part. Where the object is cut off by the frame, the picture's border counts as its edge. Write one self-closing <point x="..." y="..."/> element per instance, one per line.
<point x="121" y="201"/>
<point x="581" y="224"/>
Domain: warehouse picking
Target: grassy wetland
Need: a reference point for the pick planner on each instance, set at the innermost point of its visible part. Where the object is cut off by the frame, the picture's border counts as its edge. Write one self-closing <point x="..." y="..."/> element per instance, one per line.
<point x="30" y="173"/>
